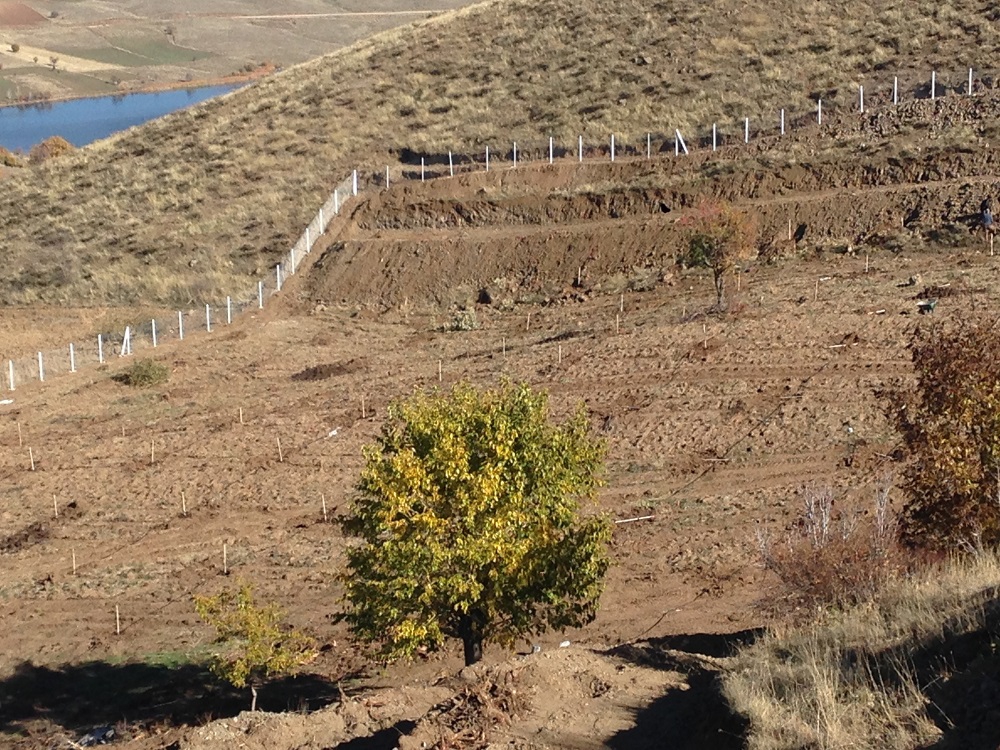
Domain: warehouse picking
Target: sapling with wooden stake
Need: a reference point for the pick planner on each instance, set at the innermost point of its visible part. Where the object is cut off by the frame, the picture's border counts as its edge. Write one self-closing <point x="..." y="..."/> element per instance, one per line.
<point x="255" y="643"/>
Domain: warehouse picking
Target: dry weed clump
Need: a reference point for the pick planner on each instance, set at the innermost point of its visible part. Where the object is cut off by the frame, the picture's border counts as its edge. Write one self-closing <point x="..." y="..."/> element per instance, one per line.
<point x="881" y="674"/>
<point x="832" y="557"/>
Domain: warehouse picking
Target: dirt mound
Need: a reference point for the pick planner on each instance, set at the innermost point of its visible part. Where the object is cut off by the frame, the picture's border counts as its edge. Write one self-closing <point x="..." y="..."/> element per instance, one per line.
<point x="19" y="14"/>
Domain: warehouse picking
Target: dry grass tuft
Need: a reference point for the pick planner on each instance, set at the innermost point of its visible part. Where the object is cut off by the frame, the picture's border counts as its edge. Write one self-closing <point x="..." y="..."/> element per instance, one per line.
<point x="890" y="673"/>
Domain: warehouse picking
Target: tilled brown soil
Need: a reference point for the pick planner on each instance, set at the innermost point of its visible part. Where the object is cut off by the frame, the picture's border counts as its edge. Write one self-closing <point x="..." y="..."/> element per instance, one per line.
<point x="714" y="423"/>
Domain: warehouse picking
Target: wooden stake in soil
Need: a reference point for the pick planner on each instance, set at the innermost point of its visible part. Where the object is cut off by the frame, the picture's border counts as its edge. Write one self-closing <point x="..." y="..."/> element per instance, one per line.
<point x="31" y="457"/>
<point x="184" y="505"/>
<point x="152" y="452"/>
<point x="527" y="325"/>
<point x="20" y="439"/>
<point x="225" y="560"/>
<point x="816" y="292"/>
<point x="440" y="373"/>
<point x="325" y="518"/>
<point x="363" y="414"/>
<point x="118" y="621"/>
<point x="55" y="506"/>
<point x="503" y="344"/>
<point x="704" y="333"/>
<point x="560" y="354"/>
<point x="618" y="320"/>
<point x="621" y="303"/>
<point x="281" y="458"/>
<point x="74" y="562"/>
<point x="241" y="415"/>
<point x="789" y="230"/>
<point x="866" y="262"/>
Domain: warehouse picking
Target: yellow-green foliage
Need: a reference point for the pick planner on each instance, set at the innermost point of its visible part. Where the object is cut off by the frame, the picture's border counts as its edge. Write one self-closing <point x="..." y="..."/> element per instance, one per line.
<point x="144" y="373"/>
<point x="467" y="510"/>
<point x="256" y="644"/>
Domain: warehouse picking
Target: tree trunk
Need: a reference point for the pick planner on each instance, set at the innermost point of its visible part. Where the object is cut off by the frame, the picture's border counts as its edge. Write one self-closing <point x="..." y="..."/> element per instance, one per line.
<point x="471" y="632"/>
<point x="720" y="287"/>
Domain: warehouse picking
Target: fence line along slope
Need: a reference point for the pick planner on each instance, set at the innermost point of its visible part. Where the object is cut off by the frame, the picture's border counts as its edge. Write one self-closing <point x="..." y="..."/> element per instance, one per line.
<point x="184" y="207"/>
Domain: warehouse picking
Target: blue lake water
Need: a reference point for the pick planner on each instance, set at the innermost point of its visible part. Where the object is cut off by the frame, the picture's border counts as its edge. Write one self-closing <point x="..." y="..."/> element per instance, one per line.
<point x="82" y="121"/>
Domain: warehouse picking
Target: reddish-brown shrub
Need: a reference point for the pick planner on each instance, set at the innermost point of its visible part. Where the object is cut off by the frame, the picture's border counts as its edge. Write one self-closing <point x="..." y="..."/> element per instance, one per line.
<point x="832" y="557"/>
<point x="50" y="148"/>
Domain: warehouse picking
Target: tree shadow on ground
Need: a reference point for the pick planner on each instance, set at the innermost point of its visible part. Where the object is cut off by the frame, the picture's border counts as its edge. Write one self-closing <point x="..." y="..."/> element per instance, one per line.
<point x="694" y="717"/>
<point x="79" y="697"/>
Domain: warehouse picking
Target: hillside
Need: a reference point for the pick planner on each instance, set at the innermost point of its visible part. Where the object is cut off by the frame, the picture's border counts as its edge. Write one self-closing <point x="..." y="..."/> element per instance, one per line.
<point x="197" y="205"/>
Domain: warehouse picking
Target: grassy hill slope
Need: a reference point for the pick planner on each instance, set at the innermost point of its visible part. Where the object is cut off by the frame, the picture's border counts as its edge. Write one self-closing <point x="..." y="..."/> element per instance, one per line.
<point x="196" y="205"/>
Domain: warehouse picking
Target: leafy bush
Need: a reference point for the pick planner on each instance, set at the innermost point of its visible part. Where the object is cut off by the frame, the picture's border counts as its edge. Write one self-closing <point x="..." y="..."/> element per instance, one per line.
<point x="950" y="425"/>
<point x="144" y="373"/>
<point x="258" y="645"/>
<point x="15" y="48"/>
<point x="464" y="320"/>
<point x="830" y="557"/>
<point x="467" y="514"/>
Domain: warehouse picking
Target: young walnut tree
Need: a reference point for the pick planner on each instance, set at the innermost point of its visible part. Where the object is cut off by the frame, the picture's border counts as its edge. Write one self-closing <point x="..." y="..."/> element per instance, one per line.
<point x="256" y="645"/>
<point x="467" y="514"/>
<point x="719" y="237"/>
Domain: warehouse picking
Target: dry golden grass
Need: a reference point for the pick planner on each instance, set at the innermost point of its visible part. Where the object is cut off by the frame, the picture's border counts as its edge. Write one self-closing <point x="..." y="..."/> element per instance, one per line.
<point x="874" y="676"/>
<point x="231" y="184"/>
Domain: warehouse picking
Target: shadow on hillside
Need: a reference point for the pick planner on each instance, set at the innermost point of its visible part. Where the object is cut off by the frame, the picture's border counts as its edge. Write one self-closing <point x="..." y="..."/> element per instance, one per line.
<point x="79" y="697"/>
<point x="692" y="718"/>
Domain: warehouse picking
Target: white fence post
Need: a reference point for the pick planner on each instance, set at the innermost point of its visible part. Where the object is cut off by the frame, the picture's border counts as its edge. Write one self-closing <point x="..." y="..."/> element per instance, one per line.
<point x="677" y="145"/>
<point x="715" y="136"/>
<point x="336" y="201"/>
<point x="612" y="147"/>
<point x="422" y="169"/>
<point x="552" y="150"/>
<point x="386" y="176"/>
<point x="933" y="84"/>
<point x="72" y="359"/>
<point x="10" y="373"/>
<point x="260" y="295"/>
<point x="41" y="368"/>
<point x="180" y="325"/>
<point x="451" y="165"/>
<point x="277" y="275"/>
<point x="208" y="319"/>
<point x="895" y="90"/>
<point x="291" y="260"/>
<point x="819" y="112"/>
<point x="746" y="130"/>
<point x="782" y="122"/>
<point x="100" y="348"/>
<point x="970" y="81"/>
<point x="354" y="182"/>
<point x="154" y="332"/>
<point x="487" y="158"/>
<point x="649" y="145"/>
<point x="680" y="139"/>
<point x="322" y="220"/>
<point x="515" y="154"/>
<point x="229" y="311"/>
<point x="581" y="148"/>
<point x="308" y="241"/>
<point x="861" y="99"/>
<point x="126" y="342"/>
